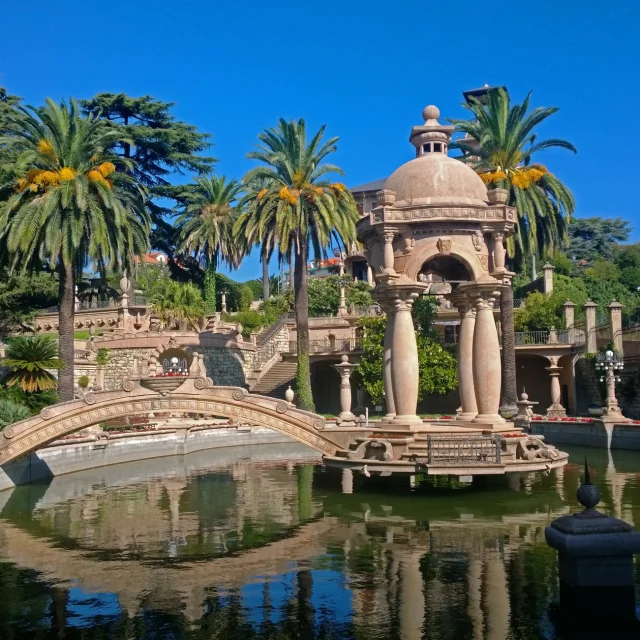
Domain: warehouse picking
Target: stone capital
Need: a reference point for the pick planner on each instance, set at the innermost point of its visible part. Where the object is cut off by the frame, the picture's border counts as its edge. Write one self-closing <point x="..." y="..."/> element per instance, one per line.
<point x="483" y="293"/>
<point x="389" y="233"/>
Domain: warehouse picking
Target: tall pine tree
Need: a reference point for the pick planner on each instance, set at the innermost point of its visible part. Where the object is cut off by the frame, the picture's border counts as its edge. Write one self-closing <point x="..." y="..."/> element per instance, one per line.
<point x="162" y="146"/>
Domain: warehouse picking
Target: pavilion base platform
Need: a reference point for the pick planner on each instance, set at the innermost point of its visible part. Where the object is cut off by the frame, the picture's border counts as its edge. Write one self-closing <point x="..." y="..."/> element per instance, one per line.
<point x="456" y="449"/>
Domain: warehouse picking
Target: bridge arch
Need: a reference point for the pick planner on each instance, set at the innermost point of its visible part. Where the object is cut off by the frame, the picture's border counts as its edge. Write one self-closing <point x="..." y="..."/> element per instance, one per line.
<point x="194" y="395"/>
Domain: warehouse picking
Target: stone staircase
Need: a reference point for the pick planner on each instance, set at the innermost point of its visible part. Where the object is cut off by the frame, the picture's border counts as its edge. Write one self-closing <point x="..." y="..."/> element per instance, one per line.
<point x="276" y="380"/>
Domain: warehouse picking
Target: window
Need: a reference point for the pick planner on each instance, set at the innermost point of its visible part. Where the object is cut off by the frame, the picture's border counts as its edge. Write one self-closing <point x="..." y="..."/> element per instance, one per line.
<point x="437" y="147"/>
<point x="426" y="148"/>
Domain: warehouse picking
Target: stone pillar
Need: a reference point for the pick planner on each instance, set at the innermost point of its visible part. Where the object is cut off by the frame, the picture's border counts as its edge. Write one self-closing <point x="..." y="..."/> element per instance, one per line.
<point x="590" y="326"/>
<point x="556" y="410"/>
<point x="342" y="308"/>
<point x="499" y="252"/>
<point x="547" y="285"/>
<point x="223" y="296"/>
<point x="370" y="276"/>
<point x="615" y="325"/>
<point x="387" y="256"/>
<point x="466" y="388"/>
<point x="487" y="367"/>
<point x="569" y="320"/>
<point x="346" y="418"/>
<point x="404" y="355"/>
<point x="387" y="376"/>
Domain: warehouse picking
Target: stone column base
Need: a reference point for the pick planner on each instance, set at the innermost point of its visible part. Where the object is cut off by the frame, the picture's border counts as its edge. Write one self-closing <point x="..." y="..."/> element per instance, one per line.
<point x="556" y="411"/>
<point x="347" y="420"/>
<point x="614" y="415"/>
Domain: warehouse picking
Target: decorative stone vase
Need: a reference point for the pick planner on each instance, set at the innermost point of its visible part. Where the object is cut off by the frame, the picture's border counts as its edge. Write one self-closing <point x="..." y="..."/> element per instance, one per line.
<point x="289" y="395"/>
<point x="497" y="196"/>
<point x="596" y="410"/>
<point x="125" y="283"/>
<point x="163" y="385"/>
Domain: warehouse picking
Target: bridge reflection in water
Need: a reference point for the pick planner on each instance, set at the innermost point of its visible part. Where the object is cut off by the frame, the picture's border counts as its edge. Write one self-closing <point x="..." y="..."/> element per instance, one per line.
<point x="256" y="544"/>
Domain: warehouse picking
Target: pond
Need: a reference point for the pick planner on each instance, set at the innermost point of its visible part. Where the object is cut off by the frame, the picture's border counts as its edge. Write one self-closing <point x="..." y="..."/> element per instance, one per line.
<point x="259" y="543"/>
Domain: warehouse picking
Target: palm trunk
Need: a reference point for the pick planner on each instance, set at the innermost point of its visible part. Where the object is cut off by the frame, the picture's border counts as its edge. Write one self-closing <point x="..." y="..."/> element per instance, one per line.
<point x="210" y="290"/>
<point x="509" y="392"/>
<point x="66" y="329"/>
<point x="301" y="300"/>
<point x="265" y="279"/>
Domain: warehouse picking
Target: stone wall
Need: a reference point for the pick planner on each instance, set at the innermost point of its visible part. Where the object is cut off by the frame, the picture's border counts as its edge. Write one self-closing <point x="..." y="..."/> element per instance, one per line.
<point x="225" y="366"/>
<point x="120" y="365"/>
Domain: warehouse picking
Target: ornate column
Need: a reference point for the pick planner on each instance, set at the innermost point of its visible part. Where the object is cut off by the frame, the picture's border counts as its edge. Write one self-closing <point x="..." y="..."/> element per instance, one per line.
<point x="487" y="367"/>
<point x="591" y="337"/>
<point x="556" y="410"/>
<point x="387" y="255"/>
<point x="342" y="308"/>
<point x="387" y="376"/>
<point x="547" y="286"/>
<point x="223" y="297"/>
<point x="346" y="418"/>
<point x="615" y="325"/>
<point x="499" y="252"/>
<point x="466" y="389"/>
<point x="404" y="354"/>
<point x="370" y="276"/>
<point x="569" y="320"/>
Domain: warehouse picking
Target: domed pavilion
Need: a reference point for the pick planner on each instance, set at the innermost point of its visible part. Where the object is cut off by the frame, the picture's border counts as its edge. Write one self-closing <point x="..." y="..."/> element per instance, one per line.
<point x="435" y="217"/>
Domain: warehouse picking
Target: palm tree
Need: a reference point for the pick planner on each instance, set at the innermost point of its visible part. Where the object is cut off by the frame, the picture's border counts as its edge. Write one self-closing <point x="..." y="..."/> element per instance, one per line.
<point x="73" y="203"/>
<point x="296" y="209"/>
<point x="205" y="227"/>
<point x="500" y="144"/>
<point x="178" y="305"/>
<point x="31" y="359"/>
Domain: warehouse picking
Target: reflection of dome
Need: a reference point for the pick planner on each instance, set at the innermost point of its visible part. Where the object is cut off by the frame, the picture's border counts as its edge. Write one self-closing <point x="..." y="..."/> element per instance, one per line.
<point x="436" y="179"/>
<point x="433" y="177"/>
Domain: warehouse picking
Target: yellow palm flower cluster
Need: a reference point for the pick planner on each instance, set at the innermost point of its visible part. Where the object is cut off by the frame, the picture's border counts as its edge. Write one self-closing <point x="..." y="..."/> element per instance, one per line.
<point x="338" y="186"/>
<point x="525" y="177"/>
<point x="45" y="148"/>
<point x="40" y="179"/>
<point x="493" y="176"/>
<point x="262" y="193"/>
<point x="289" y="196"/>
<point x="318" y="190"/>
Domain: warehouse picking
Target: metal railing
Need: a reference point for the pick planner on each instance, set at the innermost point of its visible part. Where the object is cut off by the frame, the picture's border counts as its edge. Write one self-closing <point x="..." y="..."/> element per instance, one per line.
<point x="454" y="450"/>
<point x="268" y="332"/>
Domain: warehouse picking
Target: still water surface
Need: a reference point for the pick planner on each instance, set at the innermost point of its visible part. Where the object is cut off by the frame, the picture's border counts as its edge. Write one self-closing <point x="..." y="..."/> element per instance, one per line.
<point x="259" y="543"/>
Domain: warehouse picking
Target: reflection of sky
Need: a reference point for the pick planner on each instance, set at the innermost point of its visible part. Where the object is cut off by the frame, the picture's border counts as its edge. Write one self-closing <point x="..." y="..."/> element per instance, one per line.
<point x="328" y="592"/>
<point x="83" y="608"/>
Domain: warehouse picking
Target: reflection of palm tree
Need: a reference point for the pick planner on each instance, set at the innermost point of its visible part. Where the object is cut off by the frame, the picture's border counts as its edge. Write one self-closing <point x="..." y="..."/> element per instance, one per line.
<point x="305" y="486"/>
<point x="305" y="606"/>
<point x="59" y="600"/>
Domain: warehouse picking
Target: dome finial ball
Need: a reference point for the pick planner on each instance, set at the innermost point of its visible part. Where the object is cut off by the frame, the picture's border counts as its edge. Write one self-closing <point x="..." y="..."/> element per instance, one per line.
<point x="431" y="113"/>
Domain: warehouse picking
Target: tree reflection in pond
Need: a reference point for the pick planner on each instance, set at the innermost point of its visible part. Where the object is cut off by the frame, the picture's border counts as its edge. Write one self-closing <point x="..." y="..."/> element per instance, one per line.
<point x="256" y="550"/>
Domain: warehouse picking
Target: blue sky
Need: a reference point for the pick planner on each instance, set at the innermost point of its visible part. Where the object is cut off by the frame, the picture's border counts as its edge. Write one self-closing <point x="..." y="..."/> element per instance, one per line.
<point x="365" y="69"/>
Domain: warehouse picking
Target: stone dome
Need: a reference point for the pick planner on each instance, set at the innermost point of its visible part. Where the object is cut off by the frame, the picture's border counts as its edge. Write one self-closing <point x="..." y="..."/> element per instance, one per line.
<point x="433" y="177"/>
<point x="437" y="179"/>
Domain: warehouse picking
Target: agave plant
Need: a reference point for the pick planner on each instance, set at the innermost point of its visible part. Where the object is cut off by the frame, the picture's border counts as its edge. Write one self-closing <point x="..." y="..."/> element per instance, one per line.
<point x="31" y="359"/>
<point x="11" y="412"/>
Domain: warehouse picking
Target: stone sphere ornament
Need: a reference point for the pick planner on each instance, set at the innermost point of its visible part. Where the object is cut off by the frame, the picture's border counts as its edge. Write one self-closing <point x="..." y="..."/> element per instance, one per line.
<point x="588" y="494"/>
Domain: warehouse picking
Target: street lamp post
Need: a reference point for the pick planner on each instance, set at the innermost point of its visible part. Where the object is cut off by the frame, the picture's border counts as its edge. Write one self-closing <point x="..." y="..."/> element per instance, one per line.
<point x="609" y="363"/>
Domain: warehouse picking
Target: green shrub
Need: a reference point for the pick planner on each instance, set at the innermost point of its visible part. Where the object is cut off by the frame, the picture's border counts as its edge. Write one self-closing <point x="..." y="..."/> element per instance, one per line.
<point x="11" y="412"/>
<point x="83" y="382"/>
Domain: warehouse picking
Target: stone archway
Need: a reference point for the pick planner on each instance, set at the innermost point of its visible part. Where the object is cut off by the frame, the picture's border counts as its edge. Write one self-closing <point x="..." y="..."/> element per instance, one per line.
<point x="191" y="395"/>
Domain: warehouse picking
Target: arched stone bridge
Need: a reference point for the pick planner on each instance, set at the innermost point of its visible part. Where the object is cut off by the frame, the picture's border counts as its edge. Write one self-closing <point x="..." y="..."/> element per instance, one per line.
<point x="195" y="395"/>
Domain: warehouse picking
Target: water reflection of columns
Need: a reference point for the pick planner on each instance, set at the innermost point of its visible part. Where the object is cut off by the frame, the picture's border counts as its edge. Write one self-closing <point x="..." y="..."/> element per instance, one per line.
<point x="496" y="596"/>
<point x="466" y="389"/>
<point x="412" y="601"/>
<point x="474" y="596"/>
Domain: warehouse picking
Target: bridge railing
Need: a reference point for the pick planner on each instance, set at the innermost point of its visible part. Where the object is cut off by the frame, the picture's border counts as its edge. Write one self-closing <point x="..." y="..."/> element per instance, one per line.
<point x="454" y="450"/>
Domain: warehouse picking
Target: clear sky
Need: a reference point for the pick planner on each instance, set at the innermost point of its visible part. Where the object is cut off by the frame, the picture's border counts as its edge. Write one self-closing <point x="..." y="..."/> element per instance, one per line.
<point x="365" y="69"/>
